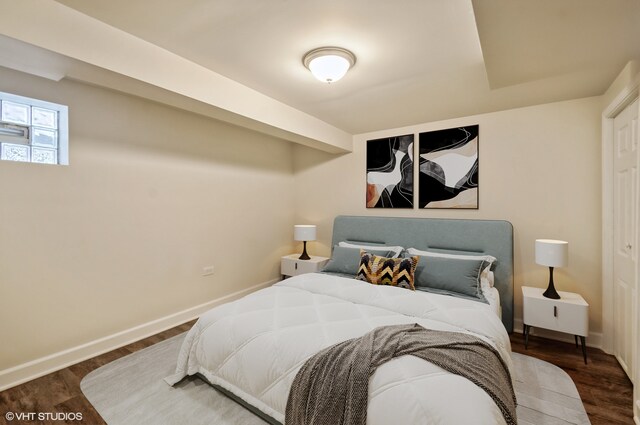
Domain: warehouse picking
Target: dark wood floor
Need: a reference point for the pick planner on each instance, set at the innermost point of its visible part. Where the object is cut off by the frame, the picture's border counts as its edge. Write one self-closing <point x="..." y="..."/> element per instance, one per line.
<point x="60" y="391"/>
<point x="605" y="389"/>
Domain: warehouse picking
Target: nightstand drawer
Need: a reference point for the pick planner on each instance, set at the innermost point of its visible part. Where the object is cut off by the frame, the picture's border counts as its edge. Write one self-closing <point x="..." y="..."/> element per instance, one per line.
<point x="295" y="267"/>
<point x="292" y="266"/>
<point x="556" y="315"/>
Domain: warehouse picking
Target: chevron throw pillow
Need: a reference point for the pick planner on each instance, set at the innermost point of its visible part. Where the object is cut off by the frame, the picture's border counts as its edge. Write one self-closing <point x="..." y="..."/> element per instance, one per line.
<point x="387" y="271"/>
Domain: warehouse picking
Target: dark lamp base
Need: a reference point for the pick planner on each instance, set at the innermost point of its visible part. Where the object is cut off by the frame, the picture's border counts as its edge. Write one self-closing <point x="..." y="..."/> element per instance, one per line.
<point x="551" y="293"/>
<point x="304" y="255"/>
<point x="551" y="289"/>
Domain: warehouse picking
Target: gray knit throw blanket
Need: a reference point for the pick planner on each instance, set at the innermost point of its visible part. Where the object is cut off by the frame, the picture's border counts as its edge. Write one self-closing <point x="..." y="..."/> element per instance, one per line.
<point x="332" y="387"/>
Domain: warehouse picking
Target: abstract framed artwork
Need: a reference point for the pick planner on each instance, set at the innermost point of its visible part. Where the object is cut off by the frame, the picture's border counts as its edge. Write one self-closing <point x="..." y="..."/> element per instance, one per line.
<point x="448" y="162"/>
<point x="390" y="172"/>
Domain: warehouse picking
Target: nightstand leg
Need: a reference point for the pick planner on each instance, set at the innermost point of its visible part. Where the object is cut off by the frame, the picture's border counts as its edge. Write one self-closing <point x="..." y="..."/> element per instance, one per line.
<point x="576" y="338"/>
<point x="526" y="336"/>
<point x="584" y="349"/>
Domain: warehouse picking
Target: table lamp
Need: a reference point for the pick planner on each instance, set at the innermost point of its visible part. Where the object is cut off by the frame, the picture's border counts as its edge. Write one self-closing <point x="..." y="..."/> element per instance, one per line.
<point x="552" y="253"/>
<point x="304" y="233"/>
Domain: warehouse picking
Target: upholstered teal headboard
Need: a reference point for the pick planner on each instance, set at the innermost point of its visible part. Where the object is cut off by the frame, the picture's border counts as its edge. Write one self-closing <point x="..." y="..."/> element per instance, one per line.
<point x="494" y="237"/>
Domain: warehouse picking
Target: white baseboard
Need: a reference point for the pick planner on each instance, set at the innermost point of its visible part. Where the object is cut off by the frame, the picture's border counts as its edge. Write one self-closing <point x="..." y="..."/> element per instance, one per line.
<point x="39" y="367"/>
<point x="594" y="339"/>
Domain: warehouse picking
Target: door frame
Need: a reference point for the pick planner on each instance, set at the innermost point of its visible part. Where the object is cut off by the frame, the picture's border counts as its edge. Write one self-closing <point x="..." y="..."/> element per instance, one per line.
<point x="626" y="96"/>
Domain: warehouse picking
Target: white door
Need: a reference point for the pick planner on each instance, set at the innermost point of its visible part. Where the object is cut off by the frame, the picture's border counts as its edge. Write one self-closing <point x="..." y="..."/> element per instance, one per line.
<point x="625" y="236"/>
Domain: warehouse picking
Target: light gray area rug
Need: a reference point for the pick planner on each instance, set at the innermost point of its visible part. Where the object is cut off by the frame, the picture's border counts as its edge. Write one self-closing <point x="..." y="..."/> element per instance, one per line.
<point x="131" y="390"/>
<point x="545" y="393"/>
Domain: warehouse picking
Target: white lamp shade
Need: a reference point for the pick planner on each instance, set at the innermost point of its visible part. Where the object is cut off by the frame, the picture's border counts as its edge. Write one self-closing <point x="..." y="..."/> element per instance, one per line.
<point x="304" y="232"/>
<point x="552" y="253"/>
<point x="330" y="68"/>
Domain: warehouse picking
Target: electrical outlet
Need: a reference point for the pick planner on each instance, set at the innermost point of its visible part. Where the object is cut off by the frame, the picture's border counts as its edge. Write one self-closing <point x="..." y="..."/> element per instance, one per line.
<point x="207" y="270"/>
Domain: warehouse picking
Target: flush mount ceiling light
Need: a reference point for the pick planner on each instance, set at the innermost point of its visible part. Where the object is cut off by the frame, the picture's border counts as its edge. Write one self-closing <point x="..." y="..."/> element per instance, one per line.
<point x="329" y="64"/>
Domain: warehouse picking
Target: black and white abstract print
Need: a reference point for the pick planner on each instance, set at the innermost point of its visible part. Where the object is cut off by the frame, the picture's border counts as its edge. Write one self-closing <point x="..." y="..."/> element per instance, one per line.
<point x="448" y="176"/>
<point x="390" y="172"/>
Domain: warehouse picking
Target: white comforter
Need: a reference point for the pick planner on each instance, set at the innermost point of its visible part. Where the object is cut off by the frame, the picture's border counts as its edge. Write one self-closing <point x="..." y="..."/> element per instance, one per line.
<point x="254" y="347"/>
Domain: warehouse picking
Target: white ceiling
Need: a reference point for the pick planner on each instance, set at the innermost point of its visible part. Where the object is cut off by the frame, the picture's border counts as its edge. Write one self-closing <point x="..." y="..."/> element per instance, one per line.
<point x="417" y="60"/>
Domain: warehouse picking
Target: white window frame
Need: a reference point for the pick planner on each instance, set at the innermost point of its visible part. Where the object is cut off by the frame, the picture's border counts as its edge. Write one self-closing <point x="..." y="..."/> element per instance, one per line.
<point x="26" y="139"/>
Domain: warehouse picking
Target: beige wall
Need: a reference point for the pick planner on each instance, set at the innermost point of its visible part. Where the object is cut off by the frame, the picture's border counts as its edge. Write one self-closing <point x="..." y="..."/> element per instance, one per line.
<point x="119" y="237"/>
<point x="539" y="169"/>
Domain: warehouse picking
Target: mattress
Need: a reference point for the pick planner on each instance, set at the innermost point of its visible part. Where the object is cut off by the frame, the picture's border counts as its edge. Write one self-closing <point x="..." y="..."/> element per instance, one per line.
<point x="253" y="347"/>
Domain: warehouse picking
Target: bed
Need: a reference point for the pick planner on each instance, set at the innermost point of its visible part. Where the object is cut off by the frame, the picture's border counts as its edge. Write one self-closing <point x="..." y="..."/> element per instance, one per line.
<point x="252" y="348"/>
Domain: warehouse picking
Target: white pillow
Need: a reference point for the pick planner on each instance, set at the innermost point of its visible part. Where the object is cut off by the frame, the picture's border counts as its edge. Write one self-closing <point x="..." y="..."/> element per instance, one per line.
<point x="486" y="280"/>
<point x="395" y="249"/>
<point x="490" y="278"/>
<point x="488" y="258"/>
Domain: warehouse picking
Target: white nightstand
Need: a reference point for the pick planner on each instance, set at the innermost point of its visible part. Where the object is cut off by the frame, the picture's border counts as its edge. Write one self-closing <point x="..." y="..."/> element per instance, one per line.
<point x="569" y="314"/>
<point x="290" y="265"/>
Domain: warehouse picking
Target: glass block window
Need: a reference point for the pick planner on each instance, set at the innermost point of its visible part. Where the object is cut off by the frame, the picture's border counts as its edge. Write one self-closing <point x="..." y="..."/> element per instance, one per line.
<point x="33" y="130"/>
